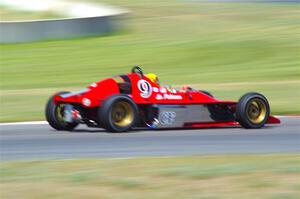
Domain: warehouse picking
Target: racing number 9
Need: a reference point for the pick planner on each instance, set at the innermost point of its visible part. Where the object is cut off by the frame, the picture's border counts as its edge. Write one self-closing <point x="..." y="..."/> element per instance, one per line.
<point x="145" y="88"/>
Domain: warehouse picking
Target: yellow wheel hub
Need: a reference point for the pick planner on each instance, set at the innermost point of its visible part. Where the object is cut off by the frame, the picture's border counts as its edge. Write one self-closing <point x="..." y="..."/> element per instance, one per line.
<point x="122" y="114"/>
<point x="256" y="111"/>
<point x="59" y="112"/>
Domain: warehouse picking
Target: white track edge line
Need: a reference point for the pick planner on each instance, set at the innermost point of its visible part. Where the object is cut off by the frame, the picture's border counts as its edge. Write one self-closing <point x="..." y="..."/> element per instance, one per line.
<point x="23" y="123"/>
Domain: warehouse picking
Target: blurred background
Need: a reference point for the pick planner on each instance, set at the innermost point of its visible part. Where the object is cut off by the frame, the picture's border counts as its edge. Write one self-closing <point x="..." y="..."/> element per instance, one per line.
<point x="228" y="48"/>
<point x="225" y="47"/>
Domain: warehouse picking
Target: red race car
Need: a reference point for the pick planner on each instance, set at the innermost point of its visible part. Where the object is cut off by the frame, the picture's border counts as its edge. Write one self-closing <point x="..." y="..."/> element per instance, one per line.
<point x="123" y="102"/>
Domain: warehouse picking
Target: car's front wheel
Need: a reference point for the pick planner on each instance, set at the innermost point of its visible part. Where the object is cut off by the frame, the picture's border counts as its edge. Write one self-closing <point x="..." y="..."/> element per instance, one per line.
<point x="55" y="115"/>
<point x="118" y="113"/>
<point x="253" y="110"/>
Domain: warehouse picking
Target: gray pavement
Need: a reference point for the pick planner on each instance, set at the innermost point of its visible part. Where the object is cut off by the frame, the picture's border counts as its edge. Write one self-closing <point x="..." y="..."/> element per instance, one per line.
<point x="20" y="142"/>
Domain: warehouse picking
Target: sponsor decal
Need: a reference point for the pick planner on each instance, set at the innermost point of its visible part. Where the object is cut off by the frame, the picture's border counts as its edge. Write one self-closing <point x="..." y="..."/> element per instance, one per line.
<point x="145" y="88"/>
<point x="94" y="85"/>
<point x="167" y="117"/>
<point x="171" y="96"/>
<point x="155" y="90"/>
<point x="174" y="91"/>
<point x="163" y="90"/>
<point x="159" y="97"/>
<point x="168" y="97"/>
<point x="86" y="102"/>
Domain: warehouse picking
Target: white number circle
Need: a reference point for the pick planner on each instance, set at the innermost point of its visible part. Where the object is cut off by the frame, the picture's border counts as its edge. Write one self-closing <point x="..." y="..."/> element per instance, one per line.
<point x="145" y="88"/>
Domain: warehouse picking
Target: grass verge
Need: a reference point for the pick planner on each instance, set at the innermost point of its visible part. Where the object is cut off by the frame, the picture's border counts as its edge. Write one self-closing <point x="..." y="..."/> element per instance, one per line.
<point x="207" y="177"/>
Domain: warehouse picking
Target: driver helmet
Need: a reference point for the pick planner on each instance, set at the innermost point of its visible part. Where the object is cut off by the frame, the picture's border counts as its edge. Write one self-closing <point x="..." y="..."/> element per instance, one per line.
<point x="153" y="78"/>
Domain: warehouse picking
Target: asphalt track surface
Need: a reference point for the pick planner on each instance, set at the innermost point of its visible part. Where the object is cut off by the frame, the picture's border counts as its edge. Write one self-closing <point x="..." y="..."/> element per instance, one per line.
<point x="31" y="142"/>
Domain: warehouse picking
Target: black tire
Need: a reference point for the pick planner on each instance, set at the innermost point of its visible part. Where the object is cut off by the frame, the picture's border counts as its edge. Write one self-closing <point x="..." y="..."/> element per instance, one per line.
<point x="115" y="110"/>
<point x="52" y="116"/>
<point x="252" y="111"/>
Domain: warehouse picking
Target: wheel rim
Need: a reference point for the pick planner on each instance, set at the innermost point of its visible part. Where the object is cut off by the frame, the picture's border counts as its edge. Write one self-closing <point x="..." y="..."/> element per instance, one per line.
<point x="59" y="112"/>
<point x="122" y="114"/>
<point x="256" y="111"/>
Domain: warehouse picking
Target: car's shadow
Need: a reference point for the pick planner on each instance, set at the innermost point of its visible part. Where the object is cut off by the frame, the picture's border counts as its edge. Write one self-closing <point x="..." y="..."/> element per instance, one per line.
<point x="138" y="130"/>
<point x="79" y="130"/>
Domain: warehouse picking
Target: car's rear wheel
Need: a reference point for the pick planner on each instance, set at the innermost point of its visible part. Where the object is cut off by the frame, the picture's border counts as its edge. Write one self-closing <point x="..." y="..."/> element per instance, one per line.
<point x="253" y="110"/>
<point x="118" y="113"/>
<point x="55" y="115"/>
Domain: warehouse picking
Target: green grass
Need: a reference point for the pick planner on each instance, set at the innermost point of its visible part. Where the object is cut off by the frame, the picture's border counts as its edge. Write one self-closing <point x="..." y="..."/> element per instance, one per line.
<point x="227" y="48"/>
<point x="195" y="177"/>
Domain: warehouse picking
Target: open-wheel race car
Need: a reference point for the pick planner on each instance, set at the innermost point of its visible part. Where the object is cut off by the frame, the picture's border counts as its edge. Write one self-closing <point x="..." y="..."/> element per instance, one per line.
<point x="135" y="100"/>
